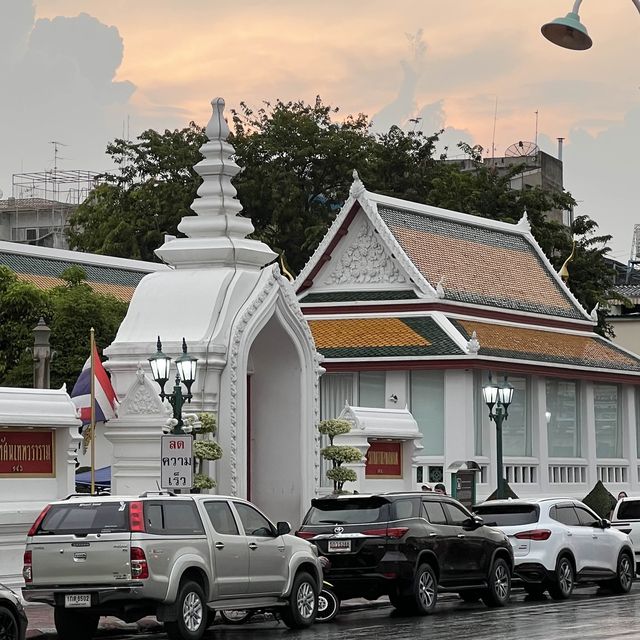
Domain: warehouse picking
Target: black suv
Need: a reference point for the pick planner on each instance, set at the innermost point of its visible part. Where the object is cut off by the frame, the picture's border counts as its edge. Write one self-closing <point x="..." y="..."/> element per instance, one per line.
<point x="409" y="546"/>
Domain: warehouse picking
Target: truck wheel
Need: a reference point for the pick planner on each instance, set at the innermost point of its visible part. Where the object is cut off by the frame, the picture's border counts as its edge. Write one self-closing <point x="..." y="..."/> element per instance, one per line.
<point x="624" y="574"/>
<point x="302" y="607"/>
<point x="72" y="624"/>
<point x="565" y="580"/>
<point x="192" y="613"/>
<point x="497" y="595"/>
<point x="9" y="628"/>
<point x="424" y="593"/>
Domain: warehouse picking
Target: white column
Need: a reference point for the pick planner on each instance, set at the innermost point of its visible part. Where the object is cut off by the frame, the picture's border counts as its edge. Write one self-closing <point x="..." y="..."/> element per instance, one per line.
<point x="539" y="432"/>
<point x="629" y="451"/>
<point x="588" y="432"/>
<point x="458" y="419"/>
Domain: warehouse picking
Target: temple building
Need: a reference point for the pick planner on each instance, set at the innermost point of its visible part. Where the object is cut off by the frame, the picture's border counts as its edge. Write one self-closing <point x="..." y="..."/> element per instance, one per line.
<point x="415" y="306"/>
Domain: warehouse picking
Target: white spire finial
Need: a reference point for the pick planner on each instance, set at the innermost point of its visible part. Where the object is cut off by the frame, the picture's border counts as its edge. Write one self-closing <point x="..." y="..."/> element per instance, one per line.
<point x="440" y="292"/>
<point x="594" y="312"/>
<point x="357" y="187"/>
<point x="524" y="223"/>
<point x="473" y="345"/>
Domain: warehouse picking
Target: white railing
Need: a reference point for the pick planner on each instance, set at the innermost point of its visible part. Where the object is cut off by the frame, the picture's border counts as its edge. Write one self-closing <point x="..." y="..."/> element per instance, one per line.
<point x="567" y="474"/>
<point x="521" y="473"/>
<point x="616" y="473"/>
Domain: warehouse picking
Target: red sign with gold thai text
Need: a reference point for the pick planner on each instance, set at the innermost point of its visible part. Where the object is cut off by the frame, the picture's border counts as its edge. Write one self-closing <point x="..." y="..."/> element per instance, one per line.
<point x="384" y="460"/>
<point x="27" y="453"/>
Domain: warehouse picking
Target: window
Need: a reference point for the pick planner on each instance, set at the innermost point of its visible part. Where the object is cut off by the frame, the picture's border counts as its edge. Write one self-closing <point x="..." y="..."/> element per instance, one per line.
<point x="629" y="510"/>
<point x="427" y="406"/>
<point x="563" y="429"/>
<point x="455" y="515"/>
<point x="516" y="429"/>
<point x="86" y="517"/>
<point x="434" y="512"/>
<point x="608" y="424"/>
<point x="178" y="517"/>
<point x="406" y="509"/>
<point x="508" y="515"/>
<point x="348" y="511"/>
<point x="254" y="523"/>
<point x="222" y="519"/>
<point x="586" y="518"/>
<point x="565" y="515"/>
<point x="371" y="389"/>
<point x="336" y="390"/>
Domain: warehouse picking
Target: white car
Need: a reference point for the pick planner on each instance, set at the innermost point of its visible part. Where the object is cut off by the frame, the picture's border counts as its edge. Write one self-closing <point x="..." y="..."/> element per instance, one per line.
<point x="560" y="541"/>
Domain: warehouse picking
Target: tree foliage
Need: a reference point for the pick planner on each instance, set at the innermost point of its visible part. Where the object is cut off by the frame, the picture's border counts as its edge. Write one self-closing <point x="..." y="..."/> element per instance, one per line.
<point x="338" y="454"/>
<point x="297" y="161"/>
<point x="70" y="311"/>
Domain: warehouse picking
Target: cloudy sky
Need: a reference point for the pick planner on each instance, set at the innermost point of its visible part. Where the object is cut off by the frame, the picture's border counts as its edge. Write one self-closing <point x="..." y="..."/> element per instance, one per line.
<point x="82" y="72"/>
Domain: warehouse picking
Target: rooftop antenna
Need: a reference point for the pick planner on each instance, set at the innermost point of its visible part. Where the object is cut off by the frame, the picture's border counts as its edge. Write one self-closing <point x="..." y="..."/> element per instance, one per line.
<point x="56" y="156"/>
<point x="493" y="139"/>
<point x="415" y="123"/>
<point x="536" y="138"/>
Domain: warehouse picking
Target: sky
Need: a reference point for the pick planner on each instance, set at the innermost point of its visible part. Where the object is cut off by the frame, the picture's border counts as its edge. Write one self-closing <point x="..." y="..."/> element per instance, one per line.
<point x="83" y="72"/>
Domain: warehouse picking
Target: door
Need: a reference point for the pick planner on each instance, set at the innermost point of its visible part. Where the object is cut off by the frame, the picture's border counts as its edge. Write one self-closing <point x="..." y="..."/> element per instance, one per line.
<point x="468" y="546"/>
<point x="229" y="550"/>
<point x="268" y="566"/>
<point x="605" y="546"/>
<point x="578" y="537"/>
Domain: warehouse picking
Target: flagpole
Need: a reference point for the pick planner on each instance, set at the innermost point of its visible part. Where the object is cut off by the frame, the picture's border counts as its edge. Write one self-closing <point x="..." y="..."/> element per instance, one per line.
<point x="93" y="414"/>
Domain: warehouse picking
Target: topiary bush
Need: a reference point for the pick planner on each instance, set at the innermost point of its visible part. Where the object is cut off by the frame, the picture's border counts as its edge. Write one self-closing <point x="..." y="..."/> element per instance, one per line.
<point x="338" y="454"/>
<point x="600" y="500"/>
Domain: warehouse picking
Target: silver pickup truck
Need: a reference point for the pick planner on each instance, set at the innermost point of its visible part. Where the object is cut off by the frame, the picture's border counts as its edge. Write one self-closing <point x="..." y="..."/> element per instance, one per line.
<point x="175" y="557"/>
<point x="626" y="518"/>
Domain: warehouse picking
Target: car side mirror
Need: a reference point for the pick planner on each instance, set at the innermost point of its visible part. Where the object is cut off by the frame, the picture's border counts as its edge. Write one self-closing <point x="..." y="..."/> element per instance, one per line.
<point x="605" y="524"/>
<point x="474" y="522"/>
<point x="283" y="528"/>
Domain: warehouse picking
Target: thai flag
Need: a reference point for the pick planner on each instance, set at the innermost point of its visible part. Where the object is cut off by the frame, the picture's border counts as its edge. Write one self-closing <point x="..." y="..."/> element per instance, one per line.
<point x="105" y="396"/>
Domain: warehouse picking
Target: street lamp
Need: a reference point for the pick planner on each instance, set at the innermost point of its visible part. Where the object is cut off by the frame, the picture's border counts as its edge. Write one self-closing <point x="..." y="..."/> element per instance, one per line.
<point x="186" y="373"/>
<point x="569" y="32"/>
<point x="499" y="397"/>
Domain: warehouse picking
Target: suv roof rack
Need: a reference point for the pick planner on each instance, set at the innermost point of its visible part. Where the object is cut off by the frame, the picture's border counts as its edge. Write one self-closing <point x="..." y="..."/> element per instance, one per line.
<point x="146" y="494"/>
<point x="79" y="495"/>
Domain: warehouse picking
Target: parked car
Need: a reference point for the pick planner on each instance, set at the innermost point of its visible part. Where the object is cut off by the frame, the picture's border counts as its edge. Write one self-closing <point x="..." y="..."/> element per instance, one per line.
<point x="174" y="557"/>
<point x="408" y="546"/>
<point x="13" y="621"/>
<point x="560" y="541"/>
<point x="626" y="518"/>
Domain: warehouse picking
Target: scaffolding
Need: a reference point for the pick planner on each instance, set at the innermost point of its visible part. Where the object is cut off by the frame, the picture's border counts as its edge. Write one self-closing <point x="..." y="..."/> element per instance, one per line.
<point x="69" y="186"/>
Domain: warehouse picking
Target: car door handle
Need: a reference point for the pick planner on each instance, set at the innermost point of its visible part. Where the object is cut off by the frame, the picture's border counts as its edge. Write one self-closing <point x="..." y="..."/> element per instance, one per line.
<point x="461" y="535"/>
<point x="569" y="533"/>
<point x="219" y="545"/>
<point x="595" y="537"/>
<point x="253" y="546"/>
<point x="433" y="535"/>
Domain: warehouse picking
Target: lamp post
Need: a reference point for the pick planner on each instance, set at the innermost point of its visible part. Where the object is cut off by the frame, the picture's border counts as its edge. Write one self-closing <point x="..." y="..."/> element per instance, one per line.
<point x="498" y="397"/>
<point x="186" y="373"/>
<point x="569" y="32"/>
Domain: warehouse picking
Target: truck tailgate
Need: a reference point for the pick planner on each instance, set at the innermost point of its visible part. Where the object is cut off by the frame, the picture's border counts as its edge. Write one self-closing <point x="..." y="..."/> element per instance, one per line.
<point x="82" y="544"/>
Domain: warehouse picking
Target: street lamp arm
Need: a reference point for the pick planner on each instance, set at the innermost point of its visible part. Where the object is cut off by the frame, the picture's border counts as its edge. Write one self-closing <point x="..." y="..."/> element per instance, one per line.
<point x="576" y="6"/>
<point x="637" y="3"/>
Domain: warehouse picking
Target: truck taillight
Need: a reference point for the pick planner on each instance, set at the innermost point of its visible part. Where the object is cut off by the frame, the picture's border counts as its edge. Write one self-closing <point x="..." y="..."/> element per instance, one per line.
<point x="534" y="534"/>
<point x="27" y="569"/>
<point x="390" y="532"/>
<point x="139" y="566"/>
<point x="136" y="516"/>
<point x="39" y="519"/>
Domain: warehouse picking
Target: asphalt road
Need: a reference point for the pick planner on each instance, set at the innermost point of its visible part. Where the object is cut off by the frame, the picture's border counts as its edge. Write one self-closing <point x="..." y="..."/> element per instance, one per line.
<point x="587" y="615"/>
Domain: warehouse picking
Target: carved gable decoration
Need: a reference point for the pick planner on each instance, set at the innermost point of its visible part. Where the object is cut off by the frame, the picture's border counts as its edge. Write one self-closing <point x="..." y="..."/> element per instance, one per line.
<point x="142" y="398"/>
<point x="365" y="260"/>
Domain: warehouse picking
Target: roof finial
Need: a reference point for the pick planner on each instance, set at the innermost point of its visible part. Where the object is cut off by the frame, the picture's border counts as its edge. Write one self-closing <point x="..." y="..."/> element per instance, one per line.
<point x="564" y="271"/>
<point x="357" y="187"/>
<point x="473" y="344"/>
<point x="594" y="312"/>
<point x="440" y="292"/>
<point x="524" y="223"/>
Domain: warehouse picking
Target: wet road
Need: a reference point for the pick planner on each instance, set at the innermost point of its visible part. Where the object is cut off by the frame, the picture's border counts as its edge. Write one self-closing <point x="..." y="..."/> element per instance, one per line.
<point x="587" y="615"/>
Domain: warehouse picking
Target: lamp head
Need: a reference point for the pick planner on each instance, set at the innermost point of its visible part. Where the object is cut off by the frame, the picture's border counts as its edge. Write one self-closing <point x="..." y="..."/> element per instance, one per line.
<point x="160" y="365"/>
<point x="490" y="394"/>
<point x="505" y="394"/>
<point x="186" y="365"/>
<point x="567" y="32"/>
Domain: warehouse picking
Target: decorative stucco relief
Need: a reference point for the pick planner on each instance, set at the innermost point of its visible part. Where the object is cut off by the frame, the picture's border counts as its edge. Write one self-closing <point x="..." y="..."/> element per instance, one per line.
<point x="142" y="398"/>
<point x="365" y="261"/>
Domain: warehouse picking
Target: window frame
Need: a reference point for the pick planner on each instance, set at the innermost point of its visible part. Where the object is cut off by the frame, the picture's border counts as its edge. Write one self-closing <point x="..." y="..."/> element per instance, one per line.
<point x="234" y="517"/>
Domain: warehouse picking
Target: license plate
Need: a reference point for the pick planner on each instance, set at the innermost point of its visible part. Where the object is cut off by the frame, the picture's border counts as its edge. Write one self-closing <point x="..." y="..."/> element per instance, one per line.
<point x="77" y="600"/>
<point x="339" y="546"/>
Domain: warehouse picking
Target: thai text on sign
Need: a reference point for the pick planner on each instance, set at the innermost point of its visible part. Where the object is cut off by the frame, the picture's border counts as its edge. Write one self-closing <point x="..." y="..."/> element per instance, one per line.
<point x="27" y="453"/>
<point x="384" y="460"/>
<point x="176" y="462"/>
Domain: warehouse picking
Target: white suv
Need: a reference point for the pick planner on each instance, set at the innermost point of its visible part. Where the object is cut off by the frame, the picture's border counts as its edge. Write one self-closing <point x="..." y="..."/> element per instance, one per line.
<point x="560" y="541"/>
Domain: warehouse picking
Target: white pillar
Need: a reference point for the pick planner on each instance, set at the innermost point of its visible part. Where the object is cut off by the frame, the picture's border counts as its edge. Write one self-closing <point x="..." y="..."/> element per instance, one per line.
<point x="588" y="432"/>
<point x="539" y="435"/>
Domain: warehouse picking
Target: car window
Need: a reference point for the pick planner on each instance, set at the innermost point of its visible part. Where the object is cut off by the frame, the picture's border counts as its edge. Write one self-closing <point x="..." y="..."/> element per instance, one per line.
<point x="434" y="512"/>
<point x="348" y="511"/>
<point x="629" y="510"/>
<point x="85" y="517"/>
<point x="455" y="515"/>
<point x="586" y="518"/>
<point x="221" y="518"/>
<point x="506" y="515"/>
<point x="179" y="517"/>
<point x="406" y="508"/>
<point x="254" y="523"/>
<point x="566" y="515"/>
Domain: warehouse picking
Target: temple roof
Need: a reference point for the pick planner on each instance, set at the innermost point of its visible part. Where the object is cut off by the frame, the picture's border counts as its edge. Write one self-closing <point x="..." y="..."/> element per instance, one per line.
<point x="106" y="275"/>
